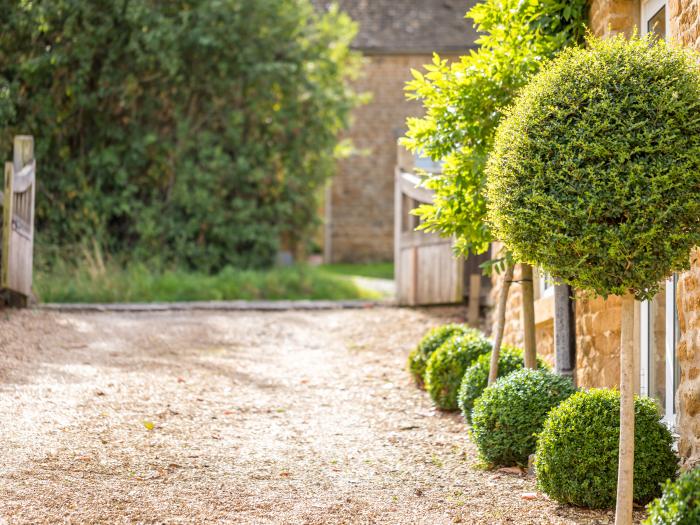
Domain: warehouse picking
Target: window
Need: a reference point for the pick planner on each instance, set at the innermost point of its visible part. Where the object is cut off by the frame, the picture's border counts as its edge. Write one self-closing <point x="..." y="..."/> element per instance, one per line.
<point x="546" y="284"/>
<point x="658" y="367"/>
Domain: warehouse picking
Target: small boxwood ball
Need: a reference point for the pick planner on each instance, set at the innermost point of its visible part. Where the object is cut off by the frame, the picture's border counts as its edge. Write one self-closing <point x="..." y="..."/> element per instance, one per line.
<point x="679" y="503"/>
<point x="510" y="413"/>
<point x="476" y="377"/>
<point x="595" y="171"/>
<point x="447" y="364"/>
<point x="577" y="450"/>
<point x="418" y="358"/>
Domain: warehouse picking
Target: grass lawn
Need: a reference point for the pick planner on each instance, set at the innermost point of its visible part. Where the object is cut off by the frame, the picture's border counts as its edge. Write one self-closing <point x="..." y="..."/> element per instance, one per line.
<point x="138" y="283"/>
<point x="373" y="270"/>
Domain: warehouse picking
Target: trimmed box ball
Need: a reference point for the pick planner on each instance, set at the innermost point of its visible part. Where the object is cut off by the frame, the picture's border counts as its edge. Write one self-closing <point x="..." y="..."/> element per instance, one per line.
<point x="511" y="412"/>
<point x="476" y="377"/>
<point x="576" y="457"/>
<point x="418" y="358"/>
<point x="447" y="365"/>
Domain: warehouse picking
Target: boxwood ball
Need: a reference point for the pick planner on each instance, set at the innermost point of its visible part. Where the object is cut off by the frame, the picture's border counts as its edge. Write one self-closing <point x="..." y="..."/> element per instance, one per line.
<point x="595" y="171"/>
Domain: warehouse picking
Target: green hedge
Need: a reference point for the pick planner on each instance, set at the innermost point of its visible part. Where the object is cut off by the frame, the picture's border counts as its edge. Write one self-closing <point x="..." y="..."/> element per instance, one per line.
<point x="577" y="451"/>
<point x="197" y="131"/>
<point x="447" y="365"/>
<point x="510" y="413"/>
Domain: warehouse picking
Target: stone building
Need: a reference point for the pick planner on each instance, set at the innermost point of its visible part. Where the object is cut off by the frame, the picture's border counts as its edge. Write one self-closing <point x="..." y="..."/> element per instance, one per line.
<point x="393" y="37"/>
<point x="668" y="328"/>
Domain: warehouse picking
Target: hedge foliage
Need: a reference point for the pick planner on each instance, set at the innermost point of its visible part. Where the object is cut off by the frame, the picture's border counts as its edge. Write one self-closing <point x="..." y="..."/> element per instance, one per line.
<point x="510" y="413"/>
<point x="200" y="131"/>
<point x="464" y="102"/>
<point x="595" y="172"/>
<point x="476" y="377"/>
<point x="418" y="358"/>
<point x="577" y="450"/>
<point x="679" y="504"/>
<point x="448" y="363"/>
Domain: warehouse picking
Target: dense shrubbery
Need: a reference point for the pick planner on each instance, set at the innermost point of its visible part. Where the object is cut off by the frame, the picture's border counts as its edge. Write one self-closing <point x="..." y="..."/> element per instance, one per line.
<point x="679" y="504"/>
<point x="476" y="377"/>
<point x="510" y="413"/>
<point x="595" y="172"/>
<point x="576" y="458"/>
<point x="418" y="358"/>
<point x="200" y="131"/>
<point x="447" y="364"/>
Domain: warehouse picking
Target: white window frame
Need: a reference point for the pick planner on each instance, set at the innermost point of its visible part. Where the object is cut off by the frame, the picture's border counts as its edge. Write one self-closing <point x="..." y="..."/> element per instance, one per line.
<point x="649" y="8"/>
<point x="546" y="284"/>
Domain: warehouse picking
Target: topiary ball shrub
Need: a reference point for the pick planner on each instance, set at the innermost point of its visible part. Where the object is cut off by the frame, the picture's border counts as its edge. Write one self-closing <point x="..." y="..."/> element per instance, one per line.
<point x="476" y="377"/>
<point x="576" y="456"/>
<point x="418" y="358"/>
<point x="447" y="364"/>
<point x="510" y="413"/>
<point x="679" y="503"/>
<point x="595" y="171"/>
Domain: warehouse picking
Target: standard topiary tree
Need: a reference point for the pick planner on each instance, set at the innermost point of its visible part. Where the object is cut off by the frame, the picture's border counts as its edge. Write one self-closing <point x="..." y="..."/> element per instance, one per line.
<point x="679" y="504"/>
<point x="476" y="377"/>
<point x="447" y="364"/>
<point x="576" y="457"/>
<point x="595" y="177"/>
<point x="510" y="413"/>
<point x="418" y="358"/>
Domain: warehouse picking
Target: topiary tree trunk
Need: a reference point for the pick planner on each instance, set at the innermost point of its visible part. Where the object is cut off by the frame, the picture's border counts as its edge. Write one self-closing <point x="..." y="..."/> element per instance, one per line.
<point x="530" y="342"/>
<point x="625" y="469"/>
<point x="500" y="322"/>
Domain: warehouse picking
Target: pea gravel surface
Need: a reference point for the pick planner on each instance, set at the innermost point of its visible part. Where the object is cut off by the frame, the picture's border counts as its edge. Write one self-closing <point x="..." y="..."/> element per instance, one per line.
<point x="239" y="417"/>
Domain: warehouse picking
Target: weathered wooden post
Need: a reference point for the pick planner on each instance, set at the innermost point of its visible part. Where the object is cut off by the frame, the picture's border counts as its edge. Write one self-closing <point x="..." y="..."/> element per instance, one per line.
<point x="18" y="223"/>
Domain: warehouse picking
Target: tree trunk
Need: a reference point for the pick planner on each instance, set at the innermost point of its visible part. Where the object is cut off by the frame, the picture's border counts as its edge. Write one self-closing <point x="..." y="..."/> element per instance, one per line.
<point x="625" y="472"/>
<point x="564" y="331"/>
<point x="528" y="316"/>
<point x="500" y="322"/>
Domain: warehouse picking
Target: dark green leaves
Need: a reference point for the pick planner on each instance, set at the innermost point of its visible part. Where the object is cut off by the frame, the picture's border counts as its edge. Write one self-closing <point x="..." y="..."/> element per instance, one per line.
<point x="595" y="173"/>
<point x="576" y="461"/>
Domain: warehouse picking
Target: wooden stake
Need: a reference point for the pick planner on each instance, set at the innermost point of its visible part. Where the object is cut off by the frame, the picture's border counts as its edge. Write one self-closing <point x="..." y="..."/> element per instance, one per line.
<point x="528" y="316"/>
<point x="625" y="472"/>
<point x="500" y="323"/>
<point x="474" y="300"/>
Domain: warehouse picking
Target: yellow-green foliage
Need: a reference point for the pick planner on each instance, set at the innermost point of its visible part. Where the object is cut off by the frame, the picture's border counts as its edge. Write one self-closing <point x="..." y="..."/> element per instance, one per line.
<point x="595" y="172"/>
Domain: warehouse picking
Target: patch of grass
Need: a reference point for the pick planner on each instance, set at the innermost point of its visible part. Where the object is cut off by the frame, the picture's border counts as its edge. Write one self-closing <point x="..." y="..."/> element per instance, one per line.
<point x="373" y="270"/>
<point x="109" y="283"/>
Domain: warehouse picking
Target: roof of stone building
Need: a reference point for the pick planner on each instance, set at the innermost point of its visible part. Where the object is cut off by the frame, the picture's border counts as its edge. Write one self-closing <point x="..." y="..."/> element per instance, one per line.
<point x="409" y="26"/>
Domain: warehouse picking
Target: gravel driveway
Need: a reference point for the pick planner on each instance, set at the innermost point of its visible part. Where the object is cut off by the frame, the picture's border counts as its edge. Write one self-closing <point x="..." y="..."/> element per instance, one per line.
<point x="207" y="417"/>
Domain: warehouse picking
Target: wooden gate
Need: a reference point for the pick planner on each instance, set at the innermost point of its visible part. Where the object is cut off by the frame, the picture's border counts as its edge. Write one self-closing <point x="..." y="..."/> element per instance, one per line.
<point x="425" y="268"/>
<point x="18" y="222"/>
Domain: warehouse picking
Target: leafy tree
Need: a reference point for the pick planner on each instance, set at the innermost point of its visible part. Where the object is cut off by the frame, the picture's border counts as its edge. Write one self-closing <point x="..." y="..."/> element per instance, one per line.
<point x="199" y="130"/>
<point x="464" y="102"/>
<point x="595" y="177"/>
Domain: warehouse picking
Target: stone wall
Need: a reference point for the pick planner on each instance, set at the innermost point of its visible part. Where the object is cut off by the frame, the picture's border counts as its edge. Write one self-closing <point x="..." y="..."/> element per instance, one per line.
<point x="609" y="17"/>
<point x="360" y="203"/>
<point x="685" y="28"/>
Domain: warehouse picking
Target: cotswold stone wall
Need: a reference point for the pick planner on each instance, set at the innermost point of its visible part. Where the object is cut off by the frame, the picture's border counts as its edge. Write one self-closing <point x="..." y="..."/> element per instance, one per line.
<point x="597" y="341"/>
<point x="685" y="28"/>
<point x="609" y="17"/>
<point x="360" y="204"/>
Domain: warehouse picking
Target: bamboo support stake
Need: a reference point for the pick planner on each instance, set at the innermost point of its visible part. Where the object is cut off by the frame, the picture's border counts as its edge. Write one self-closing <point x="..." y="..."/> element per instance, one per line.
<point x="625" y="472"/>
<point x="501" y="323"/>
<point x="528" y="316"/>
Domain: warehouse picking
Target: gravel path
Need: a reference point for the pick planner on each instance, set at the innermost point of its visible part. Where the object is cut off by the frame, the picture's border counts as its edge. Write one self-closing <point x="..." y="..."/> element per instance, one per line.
<point x="208" y="417"/>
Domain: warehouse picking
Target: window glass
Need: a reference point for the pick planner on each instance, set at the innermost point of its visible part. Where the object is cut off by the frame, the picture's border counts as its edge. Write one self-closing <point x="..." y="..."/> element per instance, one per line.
<point x="656" y="335"/>
<point x="657" y="23"/>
